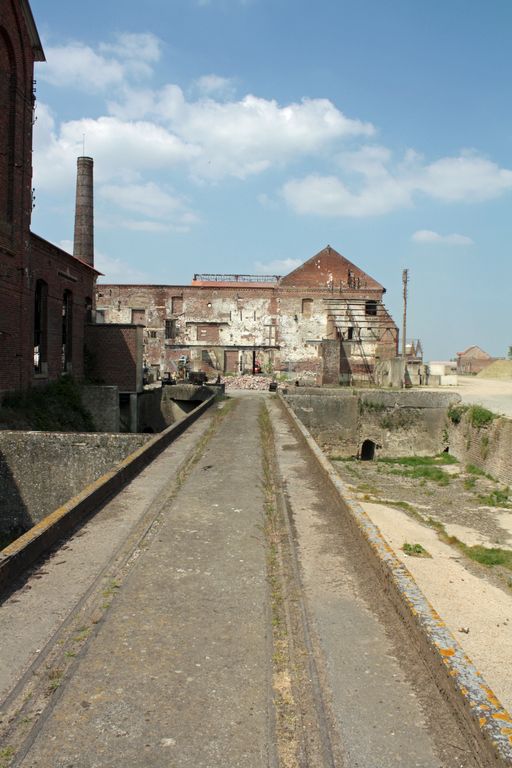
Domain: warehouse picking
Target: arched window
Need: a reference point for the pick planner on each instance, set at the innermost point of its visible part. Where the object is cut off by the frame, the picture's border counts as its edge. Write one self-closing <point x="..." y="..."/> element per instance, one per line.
<point x="67" y="331"/>
<point x="7" y="125"/>
<point x="41" y="327"/>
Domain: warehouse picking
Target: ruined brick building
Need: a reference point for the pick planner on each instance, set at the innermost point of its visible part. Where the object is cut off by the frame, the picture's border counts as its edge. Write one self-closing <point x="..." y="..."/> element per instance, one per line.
<point x="326" y="319"/>
<point x="46" y="295"/>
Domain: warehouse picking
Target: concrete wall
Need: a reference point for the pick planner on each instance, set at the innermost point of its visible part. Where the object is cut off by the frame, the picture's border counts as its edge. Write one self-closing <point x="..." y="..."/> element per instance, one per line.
<point x="400" y="423"/>
<point x="39" y="471"/>
<point x="489" y="448"/>
<point x="102" y="402"/>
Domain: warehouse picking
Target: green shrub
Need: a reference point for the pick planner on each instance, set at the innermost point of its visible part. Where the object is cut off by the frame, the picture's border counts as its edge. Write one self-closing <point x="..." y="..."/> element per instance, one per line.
<point x="56" y="407"/>
<point x="480" y="416"/>
<point x="456" y="412"/>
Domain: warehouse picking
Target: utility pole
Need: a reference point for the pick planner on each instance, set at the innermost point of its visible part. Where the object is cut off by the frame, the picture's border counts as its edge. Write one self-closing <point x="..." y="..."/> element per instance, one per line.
<point x="405" y="279"/>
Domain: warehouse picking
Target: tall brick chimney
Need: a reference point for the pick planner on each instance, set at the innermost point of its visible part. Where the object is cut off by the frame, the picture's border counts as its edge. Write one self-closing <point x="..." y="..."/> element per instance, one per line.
<point x="83" y="247"/>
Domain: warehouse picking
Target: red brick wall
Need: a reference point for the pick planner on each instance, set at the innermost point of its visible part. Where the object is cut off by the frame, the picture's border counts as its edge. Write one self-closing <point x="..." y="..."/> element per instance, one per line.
<point x="24" y="257"/>
<point x="16" y="76"/>
<point x="61" y="272"/>
<point x="115" y="355"/>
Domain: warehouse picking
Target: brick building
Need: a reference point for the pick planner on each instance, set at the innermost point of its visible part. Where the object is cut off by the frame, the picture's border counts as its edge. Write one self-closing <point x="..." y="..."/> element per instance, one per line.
<point x="46" y="295"/>
<point x="325" y="318"/>
<point x="473" y="360"/>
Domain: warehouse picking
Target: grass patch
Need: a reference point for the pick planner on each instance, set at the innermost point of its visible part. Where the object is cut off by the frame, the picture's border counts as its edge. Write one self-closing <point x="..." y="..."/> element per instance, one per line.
<point x="439" y="459"/>
<point x="6" y="756"/>
<point x="424" y="473"/>
<point x="496" y="498"/>
<point x="469" y="483"/>
<point x="471" y="469"/>
<point x="56" y="407"/>
<point x="415" y="550"/>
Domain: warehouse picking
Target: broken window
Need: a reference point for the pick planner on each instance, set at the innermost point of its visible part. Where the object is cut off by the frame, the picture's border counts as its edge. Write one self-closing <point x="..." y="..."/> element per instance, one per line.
<point x="271" y="335"/>
<point x="370" y="308"/>
<point x="307" y="307"/>
<point x="171" y="329"/>
<point x="40" y="327"/>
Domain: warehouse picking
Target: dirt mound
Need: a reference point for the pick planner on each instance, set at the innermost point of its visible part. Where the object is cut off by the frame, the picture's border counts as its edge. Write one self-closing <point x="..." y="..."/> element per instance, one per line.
<point x="500" y="369"/>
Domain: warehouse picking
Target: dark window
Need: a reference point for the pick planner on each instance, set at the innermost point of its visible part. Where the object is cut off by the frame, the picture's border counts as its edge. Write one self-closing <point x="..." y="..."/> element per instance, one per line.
<point x="88" y="310"/>
<point x="40" y="327"/>
<point x="350" y="333"/>
<point x="170" y="329"/>
<point x="67" y="331"/>
<point x="370" y="308"/>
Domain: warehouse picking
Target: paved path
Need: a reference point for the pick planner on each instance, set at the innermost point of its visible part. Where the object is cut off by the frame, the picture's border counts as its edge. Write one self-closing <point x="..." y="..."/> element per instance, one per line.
<point x="199" y="656"/>
<point x="494" y="394"/>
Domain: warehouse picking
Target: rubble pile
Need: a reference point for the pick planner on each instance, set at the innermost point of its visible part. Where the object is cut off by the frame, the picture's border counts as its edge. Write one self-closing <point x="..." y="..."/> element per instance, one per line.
<point x="246" y="381"/>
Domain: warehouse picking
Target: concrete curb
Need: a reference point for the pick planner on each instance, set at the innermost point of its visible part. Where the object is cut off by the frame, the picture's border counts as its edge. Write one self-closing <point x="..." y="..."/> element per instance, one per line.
<point x="487" y="723"/>
<point x="22" y="553"/>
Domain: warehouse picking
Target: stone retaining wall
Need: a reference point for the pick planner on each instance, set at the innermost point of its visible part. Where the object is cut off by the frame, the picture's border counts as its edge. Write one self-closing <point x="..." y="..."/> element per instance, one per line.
<point x="488" y="447"/>
<point x="39" y="471"/>
<point x="400" y="423"/>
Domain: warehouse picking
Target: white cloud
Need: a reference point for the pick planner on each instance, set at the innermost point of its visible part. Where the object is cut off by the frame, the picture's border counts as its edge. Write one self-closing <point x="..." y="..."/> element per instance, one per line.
<point x="209" y="85"/>
<point x="160" y="209"/>
<point x="428" y="236"/>
<point x="111" y="268"/>
<point x="277" y="267"/>
<point x="118" y="271"/>
<point x="79" y="66"/>
<point x="121" y="149"/>
<point x="372" y="185"/>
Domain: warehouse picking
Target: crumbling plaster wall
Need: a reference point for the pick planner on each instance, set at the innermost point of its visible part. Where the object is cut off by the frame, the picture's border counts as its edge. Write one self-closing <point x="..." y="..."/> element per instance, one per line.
<point x="286" y="325"/>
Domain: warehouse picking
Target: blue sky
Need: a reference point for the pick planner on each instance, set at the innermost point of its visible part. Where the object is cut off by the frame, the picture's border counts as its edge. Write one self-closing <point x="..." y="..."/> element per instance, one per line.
<point x="245" y="135"/>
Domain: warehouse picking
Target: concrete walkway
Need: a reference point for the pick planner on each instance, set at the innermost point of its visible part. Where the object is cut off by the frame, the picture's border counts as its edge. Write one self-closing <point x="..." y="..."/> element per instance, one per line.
<point x="179" y="665"/>
<point x="178" y="672"/>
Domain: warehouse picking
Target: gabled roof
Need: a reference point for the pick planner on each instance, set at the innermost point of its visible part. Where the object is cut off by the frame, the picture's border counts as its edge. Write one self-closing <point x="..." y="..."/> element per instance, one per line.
<point x="475" y="351"/>
<point x="33" y="34"/>
<point x="329" y="268"/>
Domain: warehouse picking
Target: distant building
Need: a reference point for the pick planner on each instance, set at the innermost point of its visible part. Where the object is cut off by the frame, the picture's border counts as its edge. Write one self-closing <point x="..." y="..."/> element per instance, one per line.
<point x="46" y="295"/>
<point x="325" y="320"/>
<point x="473" y="360"/>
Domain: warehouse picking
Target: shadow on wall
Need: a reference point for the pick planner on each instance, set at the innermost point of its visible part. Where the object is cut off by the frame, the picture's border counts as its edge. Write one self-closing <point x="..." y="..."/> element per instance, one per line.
<point x="14" y="515"/>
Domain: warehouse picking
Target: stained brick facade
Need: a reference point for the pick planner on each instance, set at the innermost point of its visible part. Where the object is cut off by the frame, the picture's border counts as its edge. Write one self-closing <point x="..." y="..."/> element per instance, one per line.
<point x="226" y="323"/>
<point x="114" y="354"/>
<point x="37" y="280"/>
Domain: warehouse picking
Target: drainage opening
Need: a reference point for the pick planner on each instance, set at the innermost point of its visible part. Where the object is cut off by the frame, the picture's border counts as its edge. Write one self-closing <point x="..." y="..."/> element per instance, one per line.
<point x="368" y="450"/>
